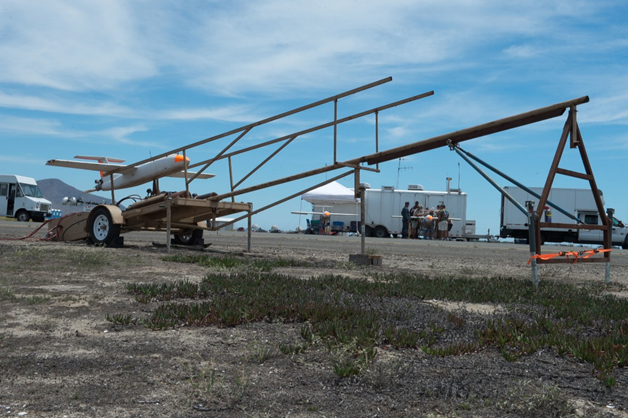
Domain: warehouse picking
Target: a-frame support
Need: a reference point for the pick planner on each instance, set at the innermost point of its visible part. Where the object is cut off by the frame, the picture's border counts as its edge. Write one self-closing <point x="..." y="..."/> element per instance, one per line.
<point x="572" y="131"/>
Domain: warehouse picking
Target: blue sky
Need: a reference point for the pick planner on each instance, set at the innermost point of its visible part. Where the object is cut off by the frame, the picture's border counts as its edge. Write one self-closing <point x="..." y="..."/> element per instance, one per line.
<point x="131" y="79"/>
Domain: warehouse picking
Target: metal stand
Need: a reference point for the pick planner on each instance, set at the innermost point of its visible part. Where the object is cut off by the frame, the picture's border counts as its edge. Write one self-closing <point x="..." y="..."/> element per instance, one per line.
<point x="532" y="241"/>
<point x="168" y="222"/>
<point x="248" y="246"/>
<point x="362" y="223"/>
<point x="610" y="212"/>
<point x="535" y="221"/>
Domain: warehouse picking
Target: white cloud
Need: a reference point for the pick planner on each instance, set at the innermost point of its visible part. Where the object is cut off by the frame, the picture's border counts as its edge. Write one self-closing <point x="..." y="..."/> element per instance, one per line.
<point x="71" y="45"/>
<point x="242" y="114"/>
<point x="275" y="45"/>
<point x="30" y="126"/>
<point x="522" y="51"/>
<point x="61" y="104"/>
<point x="20" y="159"/>
<point x="41" y="129"/>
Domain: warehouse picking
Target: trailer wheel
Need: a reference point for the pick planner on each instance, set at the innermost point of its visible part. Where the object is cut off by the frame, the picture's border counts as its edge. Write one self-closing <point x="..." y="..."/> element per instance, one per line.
<point x="23" y="216"/>
<point x="188" y="239"/>
<point x="381" y="232"/>
<point x="625" y="246"/>
<point x="101" y="229"/>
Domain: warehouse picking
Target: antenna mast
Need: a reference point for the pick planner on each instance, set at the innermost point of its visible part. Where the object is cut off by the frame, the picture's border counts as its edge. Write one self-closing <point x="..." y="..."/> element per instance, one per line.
<point x="399" y="168"/>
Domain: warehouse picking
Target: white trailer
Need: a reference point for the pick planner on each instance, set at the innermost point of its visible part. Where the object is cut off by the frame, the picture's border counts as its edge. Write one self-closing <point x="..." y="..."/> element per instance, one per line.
<point x="578" y="202"/>
<point x="21" y="198"/>
<point x="383" y="210"/>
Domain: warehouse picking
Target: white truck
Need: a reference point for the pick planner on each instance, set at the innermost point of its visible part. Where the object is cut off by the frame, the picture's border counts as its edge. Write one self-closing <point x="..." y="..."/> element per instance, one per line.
<point x="20" y="198"/>
<point x="383" y="210"/>
<point x="578" y="202"/>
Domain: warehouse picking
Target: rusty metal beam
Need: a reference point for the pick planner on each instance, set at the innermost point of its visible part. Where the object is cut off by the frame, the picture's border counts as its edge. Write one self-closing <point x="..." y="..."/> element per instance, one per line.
<point x="570" y="226"/>
<point x="267" y="120"/>
<point x="277" y="182"/>
<point x="473" y="132"/>
<point x="290" y="197"/>
<point x="323" y="126"/>
<point x="285" y="144"/>
<point x="212" y="160"/>
<point x="571" y="173"/>
<point x="571" y="260"/>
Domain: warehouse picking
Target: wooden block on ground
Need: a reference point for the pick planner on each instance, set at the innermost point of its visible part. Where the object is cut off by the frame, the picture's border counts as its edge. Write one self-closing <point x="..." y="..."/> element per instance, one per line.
<point x="366" y="259"/>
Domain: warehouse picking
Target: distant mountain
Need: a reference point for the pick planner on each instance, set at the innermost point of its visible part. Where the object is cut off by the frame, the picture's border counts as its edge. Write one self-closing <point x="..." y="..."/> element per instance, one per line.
<point x="55" y="190"/>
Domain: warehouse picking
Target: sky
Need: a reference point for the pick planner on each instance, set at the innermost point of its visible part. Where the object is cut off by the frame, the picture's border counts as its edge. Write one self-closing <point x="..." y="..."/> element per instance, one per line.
<point x="134" y="79"/>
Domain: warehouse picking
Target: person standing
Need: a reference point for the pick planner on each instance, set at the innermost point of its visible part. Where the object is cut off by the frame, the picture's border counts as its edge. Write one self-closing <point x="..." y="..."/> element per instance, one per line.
<point x="405" y="219"/>
<point x="428" y="224"/>
<point x="419" y="221"/>
<point x="414" y="213"/>
<point x="443" y="223"/>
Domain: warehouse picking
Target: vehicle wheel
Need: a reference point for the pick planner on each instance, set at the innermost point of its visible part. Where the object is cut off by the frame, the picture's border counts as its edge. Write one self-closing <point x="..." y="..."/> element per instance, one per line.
<point x="189" y="239"/>
<point x="368" y="231"/>
<point x="102" y="230"/>
<point x="381" y="232"/>
<point x="23" y="216"/>
<point x="625" y="246"/>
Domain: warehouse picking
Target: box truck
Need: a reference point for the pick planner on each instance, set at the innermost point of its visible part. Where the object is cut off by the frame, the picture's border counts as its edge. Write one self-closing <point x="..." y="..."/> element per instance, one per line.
<point x="578" y="202"/>
<point x="383" y="210"/>
<point x="21" y="198"/>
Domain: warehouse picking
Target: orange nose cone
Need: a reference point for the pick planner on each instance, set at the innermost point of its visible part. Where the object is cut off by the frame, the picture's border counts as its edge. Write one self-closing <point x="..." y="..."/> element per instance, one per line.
<point x="179" y="158"/>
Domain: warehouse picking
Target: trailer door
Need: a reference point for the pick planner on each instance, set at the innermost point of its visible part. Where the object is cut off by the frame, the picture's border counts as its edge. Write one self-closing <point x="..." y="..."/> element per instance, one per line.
<point x="11" y="198"/>
<point x="4" y="198"/>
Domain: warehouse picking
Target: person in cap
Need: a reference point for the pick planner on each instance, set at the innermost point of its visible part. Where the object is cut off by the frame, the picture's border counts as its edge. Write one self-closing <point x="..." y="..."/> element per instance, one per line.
<point x="405" y="220"/>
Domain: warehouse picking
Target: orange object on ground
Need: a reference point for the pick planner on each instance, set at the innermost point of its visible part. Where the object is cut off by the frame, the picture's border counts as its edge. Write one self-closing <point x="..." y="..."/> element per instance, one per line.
<point x="570" y="254"/>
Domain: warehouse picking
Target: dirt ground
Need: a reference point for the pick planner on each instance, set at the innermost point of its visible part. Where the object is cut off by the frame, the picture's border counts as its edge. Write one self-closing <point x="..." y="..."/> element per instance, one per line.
<point x="59" y="356"/>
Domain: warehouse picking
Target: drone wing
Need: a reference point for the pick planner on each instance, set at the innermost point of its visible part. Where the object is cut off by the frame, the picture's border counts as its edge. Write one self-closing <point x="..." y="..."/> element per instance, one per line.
<point x="104" y="168"/>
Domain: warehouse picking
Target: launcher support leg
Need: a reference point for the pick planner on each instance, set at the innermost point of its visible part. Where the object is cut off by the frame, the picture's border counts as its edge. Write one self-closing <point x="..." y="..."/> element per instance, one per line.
<point x="532" y="241"/>
<point x="248" y="245"/>
<point x="362" y="222"/>
<point x="168" y="223"/>
<point x="610" y="212"/>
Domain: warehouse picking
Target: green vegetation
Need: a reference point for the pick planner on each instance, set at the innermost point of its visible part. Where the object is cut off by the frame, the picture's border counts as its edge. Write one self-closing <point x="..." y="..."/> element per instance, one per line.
<point x="6" y="294"/>
<point x="584" y="323"/>
<point x="210" y="386"/>
<point x="54" y="259"/>
<point x="227" y="262"/>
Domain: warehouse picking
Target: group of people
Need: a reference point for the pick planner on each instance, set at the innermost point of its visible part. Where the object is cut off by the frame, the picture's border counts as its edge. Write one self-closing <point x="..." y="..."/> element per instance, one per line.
<point x="429" y="223"/>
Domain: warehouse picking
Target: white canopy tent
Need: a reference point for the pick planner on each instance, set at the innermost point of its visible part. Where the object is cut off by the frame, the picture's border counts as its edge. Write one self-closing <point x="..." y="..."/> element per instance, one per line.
<point x="330" y="194"/>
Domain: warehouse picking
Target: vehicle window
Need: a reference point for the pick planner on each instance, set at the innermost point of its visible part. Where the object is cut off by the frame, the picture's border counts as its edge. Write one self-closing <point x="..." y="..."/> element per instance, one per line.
<point x="3" y="189"/>
<point x="590" y="219"/>
<point x="31" y="190"/>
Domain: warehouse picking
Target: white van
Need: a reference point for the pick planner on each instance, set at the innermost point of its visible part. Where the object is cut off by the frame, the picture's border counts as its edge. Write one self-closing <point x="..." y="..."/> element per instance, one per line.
<point x="21" y="198"/>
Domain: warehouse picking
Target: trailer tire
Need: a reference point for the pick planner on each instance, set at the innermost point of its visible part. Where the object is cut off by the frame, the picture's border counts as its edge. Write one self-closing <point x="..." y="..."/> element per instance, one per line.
<point x="23" y="216"/>
<point x="381" y="232"/>
<point x="625" y="246"/>
<point x="188" y="239"/>
<point x="101" y="229"/>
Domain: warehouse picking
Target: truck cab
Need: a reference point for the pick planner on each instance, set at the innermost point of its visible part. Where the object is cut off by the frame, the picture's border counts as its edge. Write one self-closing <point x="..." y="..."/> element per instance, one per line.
<point x="21" y="198"/>
<point x="595" y="236"/>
